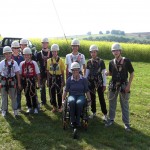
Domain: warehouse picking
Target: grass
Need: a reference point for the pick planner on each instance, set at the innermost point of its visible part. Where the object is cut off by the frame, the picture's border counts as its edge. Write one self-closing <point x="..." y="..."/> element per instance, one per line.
<point x="44" y="131"/>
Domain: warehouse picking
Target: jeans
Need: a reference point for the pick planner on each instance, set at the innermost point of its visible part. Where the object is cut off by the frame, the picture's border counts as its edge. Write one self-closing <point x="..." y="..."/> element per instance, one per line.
<point x="76" y="103"/>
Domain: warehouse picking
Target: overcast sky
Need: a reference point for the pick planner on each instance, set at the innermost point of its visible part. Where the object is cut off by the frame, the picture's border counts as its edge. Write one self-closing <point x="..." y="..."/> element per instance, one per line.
<point x="38" y="18"/>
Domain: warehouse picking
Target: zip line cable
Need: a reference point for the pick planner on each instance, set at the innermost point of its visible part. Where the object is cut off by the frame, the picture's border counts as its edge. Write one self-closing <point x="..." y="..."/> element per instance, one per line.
<point x="60" y="22"/>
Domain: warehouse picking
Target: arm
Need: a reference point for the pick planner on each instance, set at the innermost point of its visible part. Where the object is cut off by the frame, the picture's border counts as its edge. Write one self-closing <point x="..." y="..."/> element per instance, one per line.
<point x="64" y="96"/>
<point x="127" y="89"/>
<point x="104" y="79"/>
<point x="18" y="79"/>
<point x="66" y="72"/>
<point x="84" y="69"/>
<point x="38" y="79"/>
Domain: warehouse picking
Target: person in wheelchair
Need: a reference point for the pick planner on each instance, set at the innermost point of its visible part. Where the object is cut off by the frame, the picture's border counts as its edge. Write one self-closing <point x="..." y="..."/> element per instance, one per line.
<point x="77" y="87"/>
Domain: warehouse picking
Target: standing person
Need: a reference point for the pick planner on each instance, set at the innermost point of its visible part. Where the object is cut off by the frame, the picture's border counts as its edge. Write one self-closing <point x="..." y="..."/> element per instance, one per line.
<point x="55" y="78"/>
<point x="42" y="57"/>
<point x="18" y="58"/>
<point x="8" y="69"/>
<point x="95" y="74"/>
<point x="77" y="87"/>
<point x="120" y="84"/>
<point x="29" y="71"/>
<point x="75" y="56"/>
<point x="25" y="43"/>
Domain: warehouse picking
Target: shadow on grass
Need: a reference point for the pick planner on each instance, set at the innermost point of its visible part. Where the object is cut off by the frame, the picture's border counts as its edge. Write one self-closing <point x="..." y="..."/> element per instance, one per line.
<point x="44" y="131"/>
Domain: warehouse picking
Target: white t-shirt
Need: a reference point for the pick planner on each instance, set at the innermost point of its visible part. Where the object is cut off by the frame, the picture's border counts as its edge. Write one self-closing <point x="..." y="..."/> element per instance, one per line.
<point x="4" y="68"/>
<point x="70" y="58"/>
<point x="37" y="71"/>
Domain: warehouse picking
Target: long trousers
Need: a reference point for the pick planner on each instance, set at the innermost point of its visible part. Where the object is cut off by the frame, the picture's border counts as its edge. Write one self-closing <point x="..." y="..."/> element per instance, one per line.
<point x="30" y="92"/>
<point x="43" y="88"/>
<point x="55" y="89"/>
<point x="124" y="102"/>
<point x="92" y="89"/>
<point x="76" y="103"/>
<point x="11" y="91"/>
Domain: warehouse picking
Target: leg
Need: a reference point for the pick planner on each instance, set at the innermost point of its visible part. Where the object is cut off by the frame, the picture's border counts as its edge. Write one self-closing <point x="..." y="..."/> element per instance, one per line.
<point x="59" y="92"/>
<point x="72" y="103"/>
<point x="4" y="96"/>
<point x="43" y="90"/>
<point x="102" y="100"/>
<point x="124" y="102"/>
<point x="19" y="99"/>
<point x="79" y="107"/>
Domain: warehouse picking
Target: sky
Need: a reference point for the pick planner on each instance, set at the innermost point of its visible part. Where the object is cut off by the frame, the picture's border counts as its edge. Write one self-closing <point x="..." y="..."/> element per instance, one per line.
<point x="54" y="18"/>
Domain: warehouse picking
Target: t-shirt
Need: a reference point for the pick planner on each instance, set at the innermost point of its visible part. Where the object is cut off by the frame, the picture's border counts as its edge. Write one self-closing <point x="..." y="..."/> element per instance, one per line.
<point x="8" y="68"/>
<point x="70" y="58"/>
<point x="79" y="87"/>
<point x="55" y="66"/>
<point x="29" y="69"/>
<point x="42" y="57"/>
<point x="18" y="58"/>
<point x="120" y="72"/>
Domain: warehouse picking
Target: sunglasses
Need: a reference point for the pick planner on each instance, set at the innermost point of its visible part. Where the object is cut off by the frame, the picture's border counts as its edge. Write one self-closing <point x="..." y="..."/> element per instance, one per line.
<point x="15" y="48"/>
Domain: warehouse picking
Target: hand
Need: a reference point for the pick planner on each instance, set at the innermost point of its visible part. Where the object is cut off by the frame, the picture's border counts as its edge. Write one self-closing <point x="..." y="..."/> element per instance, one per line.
<point x="89" y="102"/>
<point x="127" y="89"/>
<point x="19" y="86"/>
<point x="63" y="83"/>
<point x="39" y="85"/>
<point x="106" y="73"/>
<point x="63" y="101"/>
<point x="104" y="88"/>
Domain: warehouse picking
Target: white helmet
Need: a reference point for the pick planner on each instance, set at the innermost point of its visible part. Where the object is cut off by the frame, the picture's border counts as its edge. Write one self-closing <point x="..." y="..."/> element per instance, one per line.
<point x="93" y="48"/>
<point x="24" y="41"/>
<point x="54" y="47"/>
<point x="116" y="46"/>
<point x="44" y="40"/>
<point x="75" y="65"/>
<point x="15" y="44"/>
<point x="27" y="50"/>
<point x="7" y="49"/>
<point x="75" y="42"/>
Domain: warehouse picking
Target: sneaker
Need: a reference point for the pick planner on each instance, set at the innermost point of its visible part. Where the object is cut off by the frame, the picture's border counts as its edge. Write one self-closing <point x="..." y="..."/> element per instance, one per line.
<point x="127" y="127"/>
<point x="28" y="110"/>
<point x="15" y="113"/>
<point x="109" y="123"/>
<point x="35" y="111"/>
<point x="92" y="116"/>
<point x="3" y="113"/>
<point x="105" y="118"/>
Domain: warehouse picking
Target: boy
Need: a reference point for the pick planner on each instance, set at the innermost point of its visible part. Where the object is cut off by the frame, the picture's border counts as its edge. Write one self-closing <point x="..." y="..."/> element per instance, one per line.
<point x="29" y="71"/>
<point x="8" y="69"/>
<point x="55" y="78"/>
<point x="120" y="84"/>
<point x="42" y="57"/>
<point x="95" y="74"/>
<point x="18" y="58"/>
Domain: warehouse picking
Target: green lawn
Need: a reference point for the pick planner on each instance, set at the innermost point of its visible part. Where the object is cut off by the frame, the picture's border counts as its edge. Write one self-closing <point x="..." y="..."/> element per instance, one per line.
<point x="44" y="131"/>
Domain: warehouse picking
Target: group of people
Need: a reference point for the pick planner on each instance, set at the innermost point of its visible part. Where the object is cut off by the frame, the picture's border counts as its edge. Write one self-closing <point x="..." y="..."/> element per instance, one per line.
<point x="22" y="70"/>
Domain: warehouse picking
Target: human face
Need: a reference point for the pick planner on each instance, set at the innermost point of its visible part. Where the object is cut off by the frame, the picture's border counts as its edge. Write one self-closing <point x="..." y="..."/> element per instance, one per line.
<point x="27" y="57"/>
<point x="15" y="51"/>
<point x="8" y="55"/>
<point x="54" y="53"/>
<point x="116" y="53"/>
<point x="75" y="72"/>
<point x="75" y="48"/>
<point x="45" y="45"/>
<point x="93" y="54"/>
<point x="23" y="46"/>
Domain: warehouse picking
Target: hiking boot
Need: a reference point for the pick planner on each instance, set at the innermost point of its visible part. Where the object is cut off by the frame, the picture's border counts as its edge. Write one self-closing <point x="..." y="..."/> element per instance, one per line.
<point x="127" y="127"/>
<point x="92" y="116"/>
<point x="109" y="123"/>
<point x="35" y="111"/>
<point x="3" y="113"/>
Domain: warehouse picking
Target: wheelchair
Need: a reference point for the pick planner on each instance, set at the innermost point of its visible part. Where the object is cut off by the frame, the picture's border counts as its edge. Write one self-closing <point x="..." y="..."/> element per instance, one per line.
<point x="66" y="118"/>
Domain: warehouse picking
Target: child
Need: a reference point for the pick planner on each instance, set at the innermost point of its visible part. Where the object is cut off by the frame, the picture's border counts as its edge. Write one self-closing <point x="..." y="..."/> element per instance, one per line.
<point x="120" y="84"/>
<point x="29" y="71"/>
<point x="8" y="69"/>
<point x="75" y="56"/>
<point x="55" y="75"/>
<point x="95" y="74"/>
<point x="18" y="58"/>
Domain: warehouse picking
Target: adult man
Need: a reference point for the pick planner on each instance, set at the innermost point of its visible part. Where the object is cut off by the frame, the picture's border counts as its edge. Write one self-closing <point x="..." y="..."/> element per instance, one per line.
<point x="42" y="57"/>
<point x="119" y="68"/>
